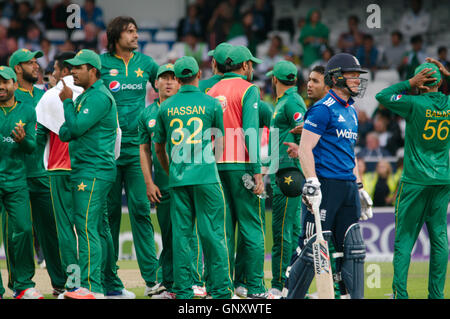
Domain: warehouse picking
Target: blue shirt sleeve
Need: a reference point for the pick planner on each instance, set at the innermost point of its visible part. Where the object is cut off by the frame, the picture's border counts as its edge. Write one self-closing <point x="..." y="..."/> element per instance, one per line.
<point x="317" y="119"/>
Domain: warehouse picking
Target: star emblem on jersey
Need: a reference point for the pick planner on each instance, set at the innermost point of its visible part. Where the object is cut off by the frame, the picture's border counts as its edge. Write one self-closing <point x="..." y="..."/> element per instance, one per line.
<point x="288" y="180"/>
<point x="21" y="124"/>
<point x="81" y="187"/>
<point x="139" y="73"/>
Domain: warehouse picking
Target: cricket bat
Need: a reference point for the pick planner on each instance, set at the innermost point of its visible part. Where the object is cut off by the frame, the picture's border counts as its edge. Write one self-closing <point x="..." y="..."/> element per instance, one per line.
<point x="322" y="265"/>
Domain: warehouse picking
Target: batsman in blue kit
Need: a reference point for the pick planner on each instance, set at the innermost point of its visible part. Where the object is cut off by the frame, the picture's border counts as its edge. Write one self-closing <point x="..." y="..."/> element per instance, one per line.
<point x="332" y="182"/>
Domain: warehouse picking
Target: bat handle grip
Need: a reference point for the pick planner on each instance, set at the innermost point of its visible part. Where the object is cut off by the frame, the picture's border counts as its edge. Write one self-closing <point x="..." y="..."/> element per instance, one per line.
<point x="316" y="212"/>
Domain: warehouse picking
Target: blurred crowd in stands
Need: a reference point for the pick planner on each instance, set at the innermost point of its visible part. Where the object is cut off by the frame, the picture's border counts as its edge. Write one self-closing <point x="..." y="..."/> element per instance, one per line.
<point x="207" y="23"/>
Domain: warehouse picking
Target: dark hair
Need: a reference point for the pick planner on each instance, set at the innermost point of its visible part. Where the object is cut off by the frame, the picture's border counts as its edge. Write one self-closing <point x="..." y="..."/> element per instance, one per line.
<point x="221" y="67"/>
<point x="97" y="73"/>
<point x="229" y="67"/>
<point x="319" y="69"/>
<point x="416" y="39"/>
<point x="442" y="49"/>
<point x="288" y="83"/>
<point x="115" y="28"/>
<point x="398" y="33"/>
<point x="187" y="80"/>
<point x="367" y="37"/>
<point x="62" y="57"/>
<point x="354" y="17"/>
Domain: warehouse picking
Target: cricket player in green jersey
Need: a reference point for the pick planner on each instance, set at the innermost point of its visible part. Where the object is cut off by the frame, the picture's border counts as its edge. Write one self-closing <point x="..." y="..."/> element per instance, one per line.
<point x="24" y="63"/>
<point x="17" y="140"/>
<point x="186" y="122"/>
<point x="91" y="127"/>
<point x="126" y="73"/>
<point x="424" y="189"/>
<point x="289" y="113"/>
<point x="240" y="100"/>
<point x="219" y="55"/>
<point x="158" y="191"/>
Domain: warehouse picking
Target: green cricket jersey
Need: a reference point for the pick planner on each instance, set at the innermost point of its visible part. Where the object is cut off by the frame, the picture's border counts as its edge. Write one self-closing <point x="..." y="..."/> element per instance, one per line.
<point x="91" y="130"/>
<point x="186" y="121"/>
<point x="127" y="83"/>
<point x="147" y="125"/>
<point x="427" y="142"/>
<point x="12" y="160"/>
<point x="205" y="85"/>
<point x="289" y="113"/>
<point x="265" y="113"/>
<point x="35" y="161"/>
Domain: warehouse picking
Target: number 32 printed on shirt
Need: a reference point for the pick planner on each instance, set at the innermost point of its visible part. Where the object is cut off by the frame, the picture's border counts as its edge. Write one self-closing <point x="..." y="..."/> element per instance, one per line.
<point x="181" y="132"/>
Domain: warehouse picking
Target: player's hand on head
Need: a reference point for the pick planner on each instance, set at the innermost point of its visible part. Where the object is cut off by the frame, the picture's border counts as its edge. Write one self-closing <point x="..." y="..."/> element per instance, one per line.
<point x="441" y="67"/>
<point x="311" y="193"/>
<point x="422" y="78"/>
<point x="366" y="204"/>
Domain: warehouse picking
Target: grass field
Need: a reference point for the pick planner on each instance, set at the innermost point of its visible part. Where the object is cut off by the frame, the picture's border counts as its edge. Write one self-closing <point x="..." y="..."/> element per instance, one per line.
<point x="378" y="275"/>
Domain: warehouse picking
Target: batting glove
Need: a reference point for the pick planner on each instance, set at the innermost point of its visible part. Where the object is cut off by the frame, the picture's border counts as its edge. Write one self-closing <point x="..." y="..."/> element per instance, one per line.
<point x="366" y="203"/>
<point x="311" y="194"/>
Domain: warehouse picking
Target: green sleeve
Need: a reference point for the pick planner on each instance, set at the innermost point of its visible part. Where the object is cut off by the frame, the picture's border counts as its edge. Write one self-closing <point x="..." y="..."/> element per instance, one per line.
<point x="393" y="99"/>
<point x="28" y="145"/>
<point x="94" y="108"/>
<point x="160" y="131"/>
<point x="218" y="117"/>
<point x="265" y="113"/>
<point x="64" y="134"/>
<point x="152" y="70"/>
<point x="250" y="120"/>
<point x="144" y="138"/>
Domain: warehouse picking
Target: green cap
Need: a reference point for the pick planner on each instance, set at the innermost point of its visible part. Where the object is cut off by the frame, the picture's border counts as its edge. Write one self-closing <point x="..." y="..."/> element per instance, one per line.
<point x="432" y="66"/>
<point x="168" y="67"/>
<point x="284" y="70"/>
<point x="86" y="56"/>
<point x="7" y="73"/>
<point x="186" y="67"/>
<point x="220" y="52"/>
<point x="23" y="55"/>
<point x="239" y="54"/>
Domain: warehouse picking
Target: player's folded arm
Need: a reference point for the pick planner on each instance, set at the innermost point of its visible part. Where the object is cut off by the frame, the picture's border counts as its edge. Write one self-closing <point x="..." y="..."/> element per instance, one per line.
<point x="393" y="98"/>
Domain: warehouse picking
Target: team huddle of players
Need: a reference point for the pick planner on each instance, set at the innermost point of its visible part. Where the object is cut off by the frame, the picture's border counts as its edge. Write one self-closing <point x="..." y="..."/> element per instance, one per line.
<point x="195" y="154"/>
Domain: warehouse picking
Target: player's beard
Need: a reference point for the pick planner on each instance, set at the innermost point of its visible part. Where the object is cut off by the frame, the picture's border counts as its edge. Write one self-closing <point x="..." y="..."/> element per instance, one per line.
<point x="8" y="96"/>
<point x="274" y="88"/>
<point x="29" y="77"/>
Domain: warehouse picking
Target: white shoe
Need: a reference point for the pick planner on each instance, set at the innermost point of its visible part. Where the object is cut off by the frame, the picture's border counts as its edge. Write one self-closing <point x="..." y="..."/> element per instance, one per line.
<point x="164" y="295"/>
<point x="154" y="290"/>
<point x="30" y="293"/>
<point x="236" y="297"/>
<point x="122" y="294"/>
<point x="314" y="295"/>
<point x="276" y="293"/>
<point x="199" y="292"/>
<point x="263" y="295"/>
<point x="241" y="291"/>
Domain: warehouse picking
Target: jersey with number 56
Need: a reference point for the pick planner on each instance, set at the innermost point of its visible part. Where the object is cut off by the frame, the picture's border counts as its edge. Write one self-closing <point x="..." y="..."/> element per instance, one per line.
<point x="186" y="122"/>
<point x="427" y="140"/>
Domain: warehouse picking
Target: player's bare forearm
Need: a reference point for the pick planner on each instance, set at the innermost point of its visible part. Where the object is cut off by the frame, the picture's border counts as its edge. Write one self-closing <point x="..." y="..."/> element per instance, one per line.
<point x="161" y="154"/>
<point x="356" y="171"/>
<point x="308" y="141"/>
<point x="146" y="163"/>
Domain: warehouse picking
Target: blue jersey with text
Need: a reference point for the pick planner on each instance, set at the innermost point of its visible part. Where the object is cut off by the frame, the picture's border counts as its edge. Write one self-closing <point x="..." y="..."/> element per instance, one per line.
<point x="336" y="121"/>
